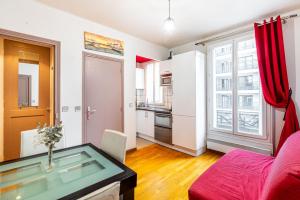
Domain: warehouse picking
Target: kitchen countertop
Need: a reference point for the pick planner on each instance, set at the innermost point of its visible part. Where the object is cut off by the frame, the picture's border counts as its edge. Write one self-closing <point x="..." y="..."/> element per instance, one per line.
<point x="154" y="109"/>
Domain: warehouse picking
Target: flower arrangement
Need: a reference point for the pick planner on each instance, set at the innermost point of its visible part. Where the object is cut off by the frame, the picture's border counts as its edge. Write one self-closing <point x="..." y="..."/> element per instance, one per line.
<point x="49" y="136"/>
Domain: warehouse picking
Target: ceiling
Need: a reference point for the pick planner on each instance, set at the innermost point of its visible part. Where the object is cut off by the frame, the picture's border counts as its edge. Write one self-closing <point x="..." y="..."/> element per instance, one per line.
<point x="194" y="19"/>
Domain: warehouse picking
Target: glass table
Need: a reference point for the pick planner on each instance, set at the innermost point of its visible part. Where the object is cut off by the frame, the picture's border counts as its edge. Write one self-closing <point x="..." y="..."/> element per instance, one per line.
<point x="77" y="171"/>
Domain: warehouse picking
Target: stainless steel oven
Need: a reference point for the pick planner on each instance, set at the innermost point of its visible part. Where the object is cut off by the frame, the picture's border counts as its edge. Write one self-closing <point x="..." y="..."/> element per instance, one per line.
<point x="163" y="127"/>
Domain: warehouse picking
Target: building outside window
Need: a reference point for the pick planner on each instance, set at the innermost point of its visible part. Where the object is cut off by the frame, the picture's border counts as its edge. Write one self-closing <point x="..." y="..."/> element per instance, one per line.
<point x="224" y="119"/>
<point x="223" y="84"/>
<point x="223" y="66"/>
<point x="249" y="82"/>
<point x="248" y="122"/>
<point x="224" y="101"/>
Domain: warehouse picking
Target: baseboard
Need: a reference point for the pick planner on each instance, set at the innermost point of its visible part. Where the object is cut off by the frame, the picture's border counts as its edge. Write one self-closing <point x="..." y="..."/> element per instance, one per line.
<point x="226" y="147"/>
<point x="131" y="150"/>
<point x="174" y="147"/>
<point x="146" y="137"/>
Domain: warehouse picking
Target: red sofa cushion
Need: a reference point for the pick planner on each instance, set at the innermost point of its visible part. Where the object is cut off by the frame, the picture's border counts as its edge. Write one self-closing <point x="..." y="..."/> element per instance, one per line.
<point x="283" y="182"/>
<point x="239" y="174"/>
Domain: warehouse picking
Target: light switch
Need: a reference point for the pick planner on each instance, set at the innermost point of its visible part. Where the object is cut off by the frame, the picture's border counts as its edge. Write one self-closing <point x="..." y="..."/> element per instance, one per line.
<point x="65" y="109"/>
<point x="77" y="108"/>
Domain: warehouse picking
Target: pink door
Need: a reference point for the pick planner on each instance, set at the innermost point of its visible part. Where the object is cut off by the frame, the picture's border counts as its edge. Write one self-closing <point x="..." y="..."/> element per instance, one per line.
<point x="103" y="97"/>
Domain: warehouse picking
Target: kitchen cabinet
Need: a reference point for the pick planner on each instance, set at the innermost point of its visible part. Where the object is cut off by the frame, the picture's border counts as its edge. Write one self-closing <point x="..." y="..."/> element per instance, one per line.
<point x="145" y="122"/>
<point x="184" y="84"/>
<point x="188" y="101"/>
<point x="140" y="78"/>
<point x="184" y="129"/>
<point x="165" y="67"/>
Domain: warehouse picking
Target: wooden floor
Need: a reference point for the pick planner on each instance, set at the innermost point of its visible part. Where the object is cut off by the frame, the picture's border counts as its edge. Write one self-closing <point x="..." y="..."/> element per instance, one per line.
<point x="165" y="174"/>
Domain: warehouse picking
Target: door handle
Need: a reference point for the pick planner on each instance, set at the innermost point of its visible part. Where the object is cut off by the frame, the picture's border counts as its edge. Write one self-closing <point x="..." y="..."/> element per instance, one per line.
<point x="90" y="111"/>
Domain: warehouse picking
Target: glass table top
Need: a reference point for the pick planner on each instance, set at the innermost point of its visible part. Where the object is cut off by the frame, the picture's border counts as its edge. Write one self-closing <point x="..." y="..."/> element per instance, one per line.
<point x="74" y="169"/>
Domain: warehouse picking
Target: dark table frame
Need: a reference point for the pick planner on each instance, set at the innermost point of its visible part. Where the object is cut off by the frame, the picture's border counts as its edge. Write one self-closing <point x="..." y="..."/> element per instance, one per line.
<point x="127" y="179"/>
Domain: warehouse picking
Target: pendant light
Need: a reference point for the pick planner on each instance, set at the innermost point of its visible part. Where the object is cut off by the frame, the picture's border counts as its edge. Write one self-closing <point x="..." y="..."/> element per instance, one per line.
<point x="169" y="24"/>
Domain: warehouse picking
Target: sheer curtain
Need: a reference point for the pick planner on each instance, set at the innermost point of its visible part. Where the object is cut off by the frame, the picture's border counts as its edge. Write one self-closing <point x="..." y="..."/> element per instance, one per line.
<point x="154" y="92"/>
<point x="149" y="82"/>
<point x="158" y="90"/>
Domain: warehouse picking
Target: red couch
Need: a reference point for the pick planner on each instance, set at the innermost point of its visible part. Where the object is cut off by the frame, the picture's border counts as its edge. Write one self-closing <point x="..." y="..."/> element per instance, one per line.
<point x="246" y="175"/>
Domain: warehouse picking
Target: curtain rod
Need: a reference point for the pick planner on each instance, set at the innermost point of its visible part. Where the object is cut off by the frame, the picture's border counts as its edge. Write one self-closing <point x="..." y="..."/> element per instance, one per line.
<point x="283" y="19"/>
<point x="241" y="31"/>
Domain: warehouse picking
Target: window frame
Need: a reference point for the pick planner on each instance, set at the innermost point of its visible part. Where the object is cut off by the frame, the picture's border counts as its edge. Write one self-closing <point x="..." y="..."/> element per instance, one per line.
<point x="267" y="111"/>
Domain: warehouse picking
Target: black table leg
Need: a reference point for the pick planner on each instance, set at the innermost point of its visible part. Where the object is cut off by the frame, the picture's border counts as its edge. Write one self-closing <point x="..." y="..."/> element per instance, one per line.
<point x="129" y="195"/>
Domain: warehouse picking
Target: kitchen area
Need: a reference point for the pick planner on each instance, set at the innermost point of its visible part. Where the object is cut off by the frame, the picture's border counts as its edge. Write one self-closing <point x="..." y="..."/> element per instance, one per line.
<point x="170" y="102"/>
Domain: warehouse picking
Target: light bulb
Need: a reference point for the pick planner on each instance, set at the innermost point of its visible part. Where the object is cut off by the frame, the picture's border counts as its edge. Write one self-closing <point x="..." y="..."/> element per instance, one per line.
<point x="169" y="25"/>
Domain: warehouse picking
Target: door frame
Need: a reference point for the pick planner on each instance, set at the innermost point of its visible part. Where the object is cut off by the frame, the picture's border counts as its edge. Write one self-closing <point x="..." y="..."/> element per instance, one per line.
<point x="39" y="41"/>
<point x="84" y="108"/>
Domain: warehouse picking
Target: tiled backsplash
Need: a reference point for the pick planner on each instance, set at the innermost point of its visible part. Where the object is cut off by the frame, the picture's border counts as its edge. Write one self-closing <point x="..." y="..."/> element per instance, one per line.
<point x="167" y="96"/>
<point x="140" y="96"/>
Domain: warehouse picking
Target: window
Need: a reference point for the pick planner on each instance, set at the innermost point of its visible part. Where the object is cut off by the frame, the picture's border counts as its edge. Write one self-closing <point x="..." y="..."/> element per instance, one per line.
<point x="235" y="97"/>
<point x="153" y="89"/>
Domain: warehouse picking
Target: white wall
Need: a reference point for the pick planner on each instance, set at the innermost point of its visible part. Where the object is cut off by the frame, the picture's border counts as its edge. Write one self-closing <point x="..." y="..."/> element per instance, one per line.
<point x="291" y="34"/>
<point x="188" y="47"/>
<point x="297" y="62"/>
<point x="36" y="19"/>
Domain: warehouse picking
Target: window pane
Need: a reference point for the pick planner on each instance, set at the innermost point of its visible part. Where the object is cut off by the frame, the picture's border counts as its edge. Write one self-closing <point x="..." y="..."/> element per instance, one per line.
<point x="224" y="101"/>
<point x="224" y="119"/>
<point x="249" y="96"/>
<point x="249" y="81"/>
<point x="249" y="122"/>
<point x="222" y="87"/>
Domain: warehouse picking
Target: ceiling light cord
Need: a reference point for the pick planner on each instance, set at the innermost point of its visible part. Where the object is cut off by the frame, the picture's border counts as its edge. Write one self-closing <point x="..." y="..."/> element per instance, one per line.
<point x="169" y="22"/>
<point x="169" y="8"/>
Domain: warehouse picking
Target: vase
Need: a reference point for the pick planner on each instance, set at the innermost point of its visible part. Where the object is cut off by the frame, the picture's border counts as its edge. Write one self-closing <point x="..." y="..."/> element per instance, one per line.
<point x="50" y="154"/>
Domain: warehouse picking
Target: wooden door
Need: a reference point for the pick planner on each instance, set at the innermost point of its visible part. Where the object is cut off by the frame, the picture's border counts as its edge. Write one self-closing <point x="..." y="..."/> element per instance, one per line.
<point x="18" y="117"/>
<point x="103" y="94"/>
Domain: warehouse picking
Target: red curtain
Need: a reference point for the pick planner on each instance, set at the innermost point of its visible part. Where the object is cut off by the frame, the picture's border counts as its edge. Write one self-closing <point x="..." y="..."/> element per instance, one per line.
<point x="273" y="74"/>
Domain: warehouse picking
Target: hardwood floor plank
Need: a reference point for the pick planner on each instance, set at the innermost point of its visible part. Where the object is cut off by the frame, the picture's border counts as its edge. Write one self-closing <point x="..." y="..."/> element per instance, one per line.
<point x="165" y="174"/>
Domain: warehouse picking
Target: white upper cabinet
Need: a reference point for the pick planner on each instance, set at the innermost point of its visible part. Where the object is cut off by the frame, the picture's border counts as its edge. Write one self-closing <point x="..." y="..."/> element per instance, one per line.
<point x="140" y="78"/>
<point x="184" y="84"/>
<point x="165" y="67"/>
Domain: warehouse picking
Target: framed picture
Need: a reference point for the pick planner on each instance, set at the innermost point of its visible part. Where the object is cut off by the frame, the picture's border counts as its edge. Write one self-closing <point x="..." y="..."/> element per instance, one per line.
<point x="103" y="44"/>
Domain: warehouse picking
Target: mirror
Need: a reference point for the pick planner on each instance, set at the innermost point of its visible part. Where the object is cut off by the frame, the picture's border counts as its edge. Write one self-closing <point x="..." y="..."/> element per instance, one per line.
<point x="28" y="84"/>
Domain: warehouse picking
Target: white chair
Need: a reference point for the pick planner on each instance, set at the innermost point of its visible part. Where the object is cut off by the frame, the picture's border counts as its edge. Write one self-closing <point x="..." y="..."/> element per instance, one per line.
<point x="29" y="145"/>
<point x="114" y="143"/>
<point x="109" y="192"/>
